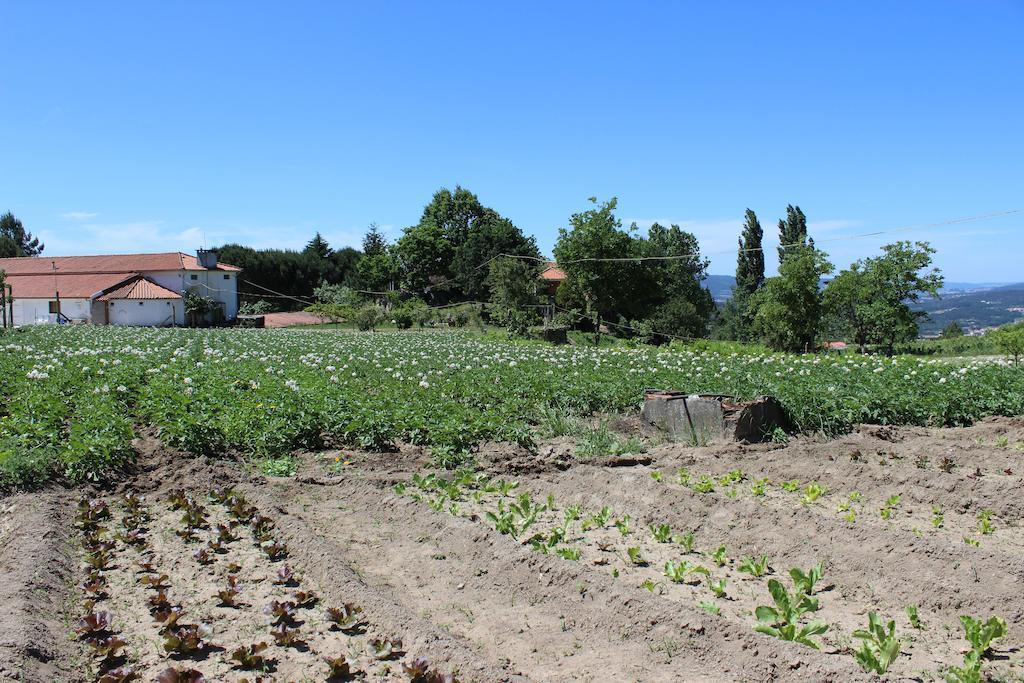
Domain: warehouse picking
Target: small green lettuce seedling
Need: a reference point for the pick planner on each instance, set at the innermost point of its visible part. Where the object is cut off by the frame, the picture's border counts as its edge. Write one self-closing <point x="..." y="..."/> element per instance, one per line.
<point x="914" y="617"/>
<point x="705" y="485"/>
<point x="791" y="486"/>
<point x="937" y="517"/>
<point x="981" y="634"/>
<point x="985" y="522"/>
<point x="754" y="567"/>
<point x="710" y="607"/>
<point x="598" y="520"/>
<point x="569" y="553"/>
<point x="783" y="620"/>
<point x="718" y="557"/>
<point x="889" y="508"/>
<point x="572" y="513"/>
<point x="812" y="492"/>
<point x="687" y="540"/>
<point x="622" y="524"/>
<point x="683" y="476"/>
<point x="662" y="532"/>
<point x="805" y="581"/>
<point x="683" y="571"/>
<point x="758" y="488"/>
<point x="880" y="646"/>
<point x="717" y="587"/>
<point x="732" y="477"/>
<point x="635" y="557"/>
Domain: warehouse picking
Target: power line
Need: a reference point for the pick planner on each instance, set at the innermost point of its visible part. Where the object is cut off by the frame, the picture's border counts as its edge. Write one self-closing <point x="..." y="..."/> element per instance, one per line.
<point x="279" y="294"/>
<point x="644" y="259"/>
<point x="676" y="257"/>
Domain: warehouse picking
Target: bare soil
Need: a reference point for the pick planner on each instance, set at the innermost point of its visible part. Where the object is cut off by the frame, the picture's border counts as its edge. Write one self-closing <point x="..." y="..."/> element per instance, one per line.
<point x="490" y="607"/>
<point x="290" y="318"/>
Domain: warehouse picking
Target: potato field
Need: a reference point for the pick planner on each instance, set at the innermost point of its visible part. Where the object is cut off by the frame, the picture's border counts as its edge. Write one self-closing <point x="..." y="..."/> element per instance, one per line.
<point x="290" y="505"/>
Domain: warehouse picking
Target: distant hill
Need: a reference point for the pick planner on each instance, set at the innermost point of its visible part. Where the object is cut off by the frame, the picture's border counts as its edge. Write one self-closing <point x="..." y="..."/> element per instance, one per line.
<point x="975" y="305"/>
<point x="964" y="287"/>
<point x="720" y="287"/>
<point x="975" y="309"/>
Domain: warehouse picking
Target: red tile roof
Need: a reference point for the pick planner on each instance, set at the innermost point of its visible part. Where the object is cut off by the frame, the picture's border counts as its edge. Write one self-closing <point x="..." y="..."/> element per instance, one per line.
<point x="140" y="288"/>
<point x="80" y="286"/>
<point x="113" y="263"/>
<point x="553" y="272"/>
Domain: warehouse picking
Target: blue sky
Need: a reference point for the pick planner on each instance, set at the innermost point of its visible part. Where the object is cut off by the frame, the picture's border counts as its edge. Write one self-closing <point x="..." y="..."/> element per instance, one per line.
<point x="152" y="126"/>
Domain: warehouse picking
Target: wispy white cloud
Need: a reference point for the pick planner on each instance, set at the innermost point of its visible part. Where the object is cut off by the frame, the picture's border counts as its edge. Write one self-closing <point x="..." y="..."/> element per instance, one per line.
<point x="91" y="237"/>
<point x="717" y="236"/>
<point x="79" y="215"/>
<point x="114" y="238"/>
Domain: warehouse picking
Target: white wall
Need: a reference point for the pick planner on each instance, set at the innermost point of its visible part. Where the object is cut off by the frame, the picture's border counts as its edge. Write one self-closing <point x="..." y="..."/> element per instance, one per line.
<point x="143" y="312"/>
<point x="32" y="311"/>
<point x="211" y="283"/>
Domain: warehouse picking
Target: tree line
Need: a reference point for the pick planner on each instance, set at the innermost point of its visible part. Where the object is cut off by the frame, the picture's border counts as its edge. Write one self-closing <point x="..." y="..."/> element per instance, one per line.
<point x="646" y="285"/>
<point x="869" y="303"/>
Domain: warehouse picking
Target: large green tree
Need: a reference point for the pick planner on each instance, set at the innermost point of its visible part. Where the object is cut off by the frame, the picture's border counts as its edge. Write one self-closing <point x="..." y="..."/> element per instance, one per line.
<point x="290" y="275"/>
<point x="736" y="318"/>
<point x="750" y="256"/>
<point x="788" y="307"/>
<point x="604" y="287"/>
<point x="1009" y="340"/>
<point x="15" y="240"/>
<point x="651" y="283"/>
<point x="445" y="255"/>
<point x="489" y="237"/>
<point x="792" y="232"/>
<point x="377" y="269"/>
<point x="869" y="302"/>
<point x="318" y="246"/>
<point x="513" y="287"/>
<point x="670" y="285"/>
<point x="374" y="242"/>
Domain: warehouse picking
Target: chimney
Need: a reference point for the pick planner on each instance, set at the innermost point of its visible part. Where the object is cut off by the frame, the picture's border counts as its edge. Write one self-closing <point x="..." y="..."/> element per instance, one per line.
<point x="207" y="258"/>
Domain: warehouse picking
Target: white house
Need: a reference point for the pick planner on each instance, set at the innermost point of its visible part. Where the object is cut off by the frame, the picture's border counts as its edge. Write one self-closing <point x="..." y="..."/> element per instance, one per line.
<point x="120" y="289"/>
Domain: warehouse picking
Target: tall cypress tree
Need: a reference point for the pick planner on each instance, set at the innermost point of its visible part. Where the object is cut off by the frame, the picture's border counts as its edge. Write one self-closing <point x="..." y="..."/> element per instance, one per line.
<point x="750" y="257"/>
<point x="792" y="231"/>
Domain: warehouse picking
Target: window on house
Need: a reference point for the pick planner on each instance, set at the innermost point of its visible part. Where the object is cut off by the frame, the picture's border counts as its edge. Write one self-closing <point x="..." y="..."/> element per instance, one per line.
<point x="53" y="307"/>
<point x="227" y="277"/>
<point x="140" y="303"/>
<point x="194" y="276"/>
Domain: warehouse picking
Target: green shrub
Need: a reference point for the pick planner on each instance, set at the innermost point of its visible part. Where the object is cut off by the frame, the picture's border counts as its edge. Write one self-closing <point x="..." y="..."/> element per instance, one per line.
<point x="368" y="317"/>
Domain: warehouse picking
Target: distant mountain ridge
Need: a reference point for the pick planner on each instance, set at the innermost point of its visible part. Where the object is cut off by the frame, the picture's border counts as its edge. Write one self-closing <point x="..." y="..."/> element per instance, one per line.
<point x="976" y="306"/>
<point x="974" y="309"/>
<point x="720" y="287"/>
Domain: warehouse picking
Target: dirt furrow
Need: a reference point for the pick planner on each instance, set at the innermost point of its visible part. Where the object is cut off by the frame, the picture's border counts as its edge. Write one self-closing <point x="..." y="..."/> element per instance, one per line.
<point x="555" y="620"/>
<point x="38" y="572"/>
